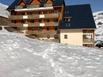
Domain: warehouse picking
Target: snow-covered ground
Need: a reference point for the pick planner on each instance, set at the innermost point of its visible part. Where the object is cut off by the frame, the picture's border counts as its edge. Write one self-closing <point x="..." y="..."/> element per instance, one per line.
<point x="98" y="17"/>
<point x="24" y="57"/>
<point x="3" y="11"/>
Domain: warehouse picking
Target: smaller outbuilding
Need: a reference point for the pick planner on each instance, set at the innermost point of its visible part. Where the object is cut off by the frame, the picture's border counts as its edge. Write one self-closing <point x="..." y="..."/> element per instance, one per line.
<point x="78" y="26"/>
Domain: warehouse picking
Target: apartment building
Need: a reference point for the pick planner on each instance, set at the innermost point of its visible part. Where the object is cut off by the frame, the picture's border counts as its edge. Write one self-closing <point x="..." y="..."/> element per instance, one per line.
<point x="53" y="20"/>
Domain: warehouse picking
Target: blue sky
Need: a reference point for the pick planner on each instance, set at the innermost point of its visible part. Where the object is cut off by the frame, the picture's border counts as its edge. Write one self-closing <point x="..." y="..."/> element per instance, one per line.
<point x="97" y="5"/>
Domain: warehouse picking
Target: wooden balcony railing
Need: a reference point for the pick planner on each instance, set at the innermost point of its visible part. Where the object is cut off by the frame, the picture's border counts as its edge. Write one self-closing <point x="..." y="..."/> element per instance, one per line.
<point x="29" y="6"/>
<point x="16" y="17"/>
<point x="33" y="6"/>
<point x="42" y="33"/>
<point x="51" y="24"/>
<point x="88" y="37"/>
<point x="29" y="24"/>
<point x="53" y="15"/>
<point x="36" y="24"/>
<point x="88" y="41"/>
<point x="36" y="16"/>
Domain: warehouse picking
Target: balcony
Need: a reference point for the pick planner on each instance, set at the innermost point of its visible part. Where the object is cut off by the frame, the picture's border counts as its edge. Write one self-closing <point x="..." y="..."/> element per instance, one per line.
<point x="53" y="15"/>
<point x="36" y="16"/>
<point x="21" y="17"/>
<point x="52" y="24"/>
<point x="88" y="38"/>
<point x="16" y="17"/>
<point x="36" y="24"/>
<point x="29" y="24"/>
<point x="29" y="6"/>
<point x="33" y="7"/>
<point x="88" y="41"/>
<point x="42" y="33"/>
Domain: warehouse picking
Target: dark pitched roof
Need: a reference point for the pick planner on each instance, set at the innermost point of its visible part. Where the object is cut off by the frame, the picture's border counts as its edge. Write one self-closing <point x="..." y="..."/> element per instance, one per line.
<point x="16" y="2"/>
<point x="58" y="2"/>
<point x="27" y="1"/>
<point x="12" y="6"/>
<point x="81" y="17"/>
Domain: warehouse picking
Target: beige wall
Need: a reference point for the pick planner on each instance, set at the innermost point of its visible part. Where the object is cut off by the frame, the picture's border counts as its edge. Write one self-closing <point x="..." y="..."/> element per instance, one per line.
<point x="75" y="37"/>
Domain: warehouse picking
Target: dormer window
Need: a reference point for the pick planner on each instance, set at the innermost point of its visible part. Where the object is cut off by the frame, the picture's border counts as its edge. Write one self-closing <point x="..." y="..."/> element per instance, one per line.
<point x="67" y="19"/>
<point x="67" y="12"/>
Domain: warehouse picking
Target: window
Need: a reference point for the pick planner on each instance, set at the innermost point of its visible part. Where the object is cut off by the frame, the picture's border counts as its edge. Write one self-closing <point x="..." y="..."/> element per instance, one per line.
<point x="40" y="21"/>
<point x="67" y="24"/>
<point x="56" y="28"/>
<point x="65" y="36"/>
<point x="48" y="29"/>
<point x="67" y="19"/>
<point x="48" y="20"/>
<point x="40" y="28"/>
<point x="88" y="36"/>
<point x="67" y="12"/>
<point x="22" y="13"/>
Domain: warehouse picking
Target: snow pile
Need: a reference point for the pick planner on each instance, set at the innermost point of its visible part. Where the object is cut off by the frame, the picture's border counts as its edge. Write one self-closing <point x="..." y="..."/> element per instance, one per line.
<point x="24" y="57"/>
<point x="98" y="17"/>
<point x="3" y="11"/>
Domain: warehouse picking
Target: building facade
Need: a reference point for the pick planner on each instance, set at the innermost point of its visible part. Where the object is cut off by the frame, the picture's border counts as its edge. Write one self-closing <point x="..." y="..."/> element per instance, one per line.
<point x="78" y="26"/>
<point x="53" y="20"/>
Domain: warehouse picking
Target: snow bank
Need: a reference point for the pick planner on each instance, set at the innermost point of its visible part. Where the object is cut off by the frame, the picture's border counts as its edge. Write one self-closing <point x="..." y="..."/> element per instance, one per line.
<point x="24" y="57"/>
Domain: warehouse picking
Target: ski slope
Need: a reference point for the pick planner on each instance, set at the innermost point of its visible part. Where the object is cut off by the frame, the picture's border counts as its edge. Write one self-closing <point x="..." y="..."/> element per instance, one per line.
<point x="24" y="57"/>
